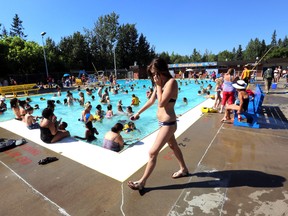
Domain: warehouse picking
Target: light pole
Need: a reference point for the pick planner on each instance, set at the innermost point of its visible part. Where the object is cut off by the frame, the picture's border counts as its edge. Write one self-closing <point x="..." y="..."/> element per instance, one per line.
<point x="115" y="70"/>
<point x="257" y="58"/>
<point x="42" y="34"/>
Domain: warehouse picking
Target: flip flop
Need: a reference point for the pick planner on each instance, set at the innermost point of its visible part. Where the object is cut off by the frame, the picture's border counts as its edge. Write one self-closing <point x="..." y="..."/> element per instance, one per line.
<point x="180" y="174"/>
<point x="20" y="142"/>
<point x="135" y="185"/>
<point x="47" y="160"/>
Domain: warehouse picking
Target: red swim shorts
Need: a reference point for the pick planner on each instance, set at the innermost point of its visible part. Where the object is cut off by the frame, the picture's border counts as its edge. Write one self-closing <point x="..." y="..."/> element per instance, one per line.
<point x="228" y="97"/>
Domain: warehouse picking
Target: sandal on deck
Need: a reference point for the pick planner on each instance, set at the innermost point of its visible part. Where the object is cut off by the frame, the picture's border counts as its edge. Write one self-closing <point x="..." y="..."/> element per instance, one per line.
<point x="135" y="185"/>
<point x="180" y="174"/>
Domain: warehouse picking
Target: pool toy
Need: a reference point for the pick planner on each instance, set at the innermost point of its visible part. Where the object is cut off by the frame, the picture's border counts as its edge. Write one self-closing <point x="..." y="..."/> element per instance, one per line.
<point x="208" y="110"/>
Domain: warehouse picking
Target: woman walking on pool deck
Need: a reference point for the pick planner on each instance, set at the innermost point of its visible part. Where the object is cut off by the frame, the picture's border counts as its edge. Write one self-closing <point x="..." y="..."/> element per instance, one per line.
<point x="166" y="91"/>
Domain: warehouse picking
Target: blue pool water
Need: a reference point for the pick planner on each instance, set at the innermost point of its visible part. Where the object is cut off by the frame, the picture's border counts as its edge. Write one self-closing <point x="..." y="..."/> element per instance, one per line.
<point x="147" y="123"/>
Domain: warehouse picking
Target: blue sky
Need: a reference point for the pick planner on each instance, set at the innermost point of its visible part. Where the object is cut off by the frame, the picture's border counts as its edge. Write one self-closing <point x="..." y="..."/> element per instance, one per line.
<point x="170" y="26"/>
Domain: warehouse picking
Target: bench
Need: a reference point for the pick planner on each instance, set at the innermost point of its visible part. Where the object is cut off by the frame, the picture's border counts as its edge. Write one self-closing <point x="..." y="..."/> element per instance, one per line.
<point x="5" y="90"/>
<point x="14" y="89"/>
<point x="78" y="81"/>
<point x="250" y="117"/>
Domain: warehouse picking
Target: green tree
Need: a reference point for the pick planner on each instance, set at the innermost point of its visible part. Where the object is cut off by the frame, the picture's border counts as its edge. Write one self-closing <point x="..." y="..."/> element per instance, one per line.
<point x="145" y="52"/>
<point x="239" y="53"/>
<point x="285" y="42"/>
<point x="208" y="56"/>
<point x="127" y="44"/>
<point x="74" y="52"/>
<point x="17" y="28"/>
<point x="196" y="56"/>
<point x="102" y="39"/>
<point x="166" y="57"/>
<point x="176" y="58"/>
<point x="253" y="50"/>
<point x="23" y="57"/>
<point x="225" y="56"/>
<point x="274" y="39"/>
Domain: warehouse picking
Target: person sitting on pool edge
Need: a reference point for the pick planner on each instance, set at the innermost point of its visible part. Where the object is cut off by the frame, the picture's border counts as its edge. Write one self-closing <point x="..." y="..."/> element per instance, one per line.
<point x="49" y="132"/>
<point x="30" y="120"/>
<point x="113" y="140"/>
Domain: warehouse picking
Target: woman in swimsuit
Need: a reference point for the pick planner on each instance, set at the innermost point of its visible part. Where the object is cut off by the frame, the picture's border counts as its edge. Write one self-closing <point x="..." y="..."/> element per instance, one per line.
<point x="243" y="98"/>
<point x="166" y="92"/>
<point x="49" y="132"/>
<point x="113" y="140"/>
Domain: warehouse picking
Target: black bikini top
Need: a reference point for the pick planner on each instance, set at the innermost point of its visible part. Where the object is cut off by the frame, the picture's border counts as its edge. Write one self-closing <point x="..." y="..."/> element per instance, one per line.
<point x="172" y="100"/>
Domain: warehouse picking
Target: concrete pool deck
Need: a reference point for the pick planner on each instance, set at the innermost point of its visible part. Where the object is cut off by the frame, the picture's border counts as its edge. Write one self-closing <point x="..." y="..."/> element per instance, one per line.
<point x="234" y="171"/>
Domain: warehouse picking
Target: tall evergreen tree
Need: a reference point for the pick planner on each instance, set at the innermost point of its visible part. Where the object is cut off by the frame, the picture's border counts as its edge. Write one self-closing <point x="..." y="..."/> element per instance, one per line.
<point x="196" y="56"/>
<point x="274" y="39"/>
<point x="127" y="45"/>
<point x="239" y="53"/>
<point x="17" y="28"/>
<point x="144" y="51"/>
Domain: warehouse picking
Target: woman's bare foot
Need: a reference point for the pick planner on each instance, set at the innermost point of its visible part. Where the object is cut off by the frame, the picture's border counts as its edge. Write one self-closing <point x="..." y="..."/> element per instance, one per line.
<point x="135" y="185"/>
<point x="225" y="119"/>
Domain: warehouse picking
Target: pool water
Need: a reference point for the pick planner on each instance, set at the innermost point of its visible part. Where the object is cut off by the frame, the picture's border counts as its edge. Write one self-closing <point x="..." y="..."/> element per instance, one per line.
<point x="147" y="123"/>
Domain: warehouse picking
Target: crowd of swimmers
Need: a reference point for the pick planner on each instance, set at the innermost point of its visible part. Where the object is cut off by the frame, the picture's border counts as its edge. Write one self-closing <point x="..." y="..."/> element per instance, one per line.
<point x="24" y="112"/>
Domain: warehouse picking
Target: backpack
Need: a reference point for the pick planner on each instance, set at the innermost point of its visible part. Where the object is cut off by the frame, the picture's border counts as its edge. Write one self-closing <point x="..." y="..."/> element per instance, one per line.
<point x="268" y="74"/>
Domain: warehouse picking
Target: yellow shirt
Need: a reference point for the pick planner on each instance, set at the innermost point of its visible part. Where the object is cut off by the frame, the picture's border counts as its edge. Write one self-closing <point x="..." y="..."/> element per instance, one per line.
<point x="245" y="74"/>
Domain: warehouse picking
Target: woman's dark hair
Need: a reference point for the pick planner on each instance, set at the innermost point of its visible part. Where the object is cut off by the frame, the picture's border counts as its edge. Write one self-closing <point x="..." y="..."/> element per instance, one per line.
<point x="98" y="107"/>
<point x="22" y="103"/>
<point x="109" y="107"/>
<point x="161" y="67"/>
<point x="65" y="125"/>
<point x="230" y="71"/>
<point x="47" y="112"/>
<point x="129" y="108"/>
<point x="89" y="125"/>
<point x="117" y="127"/>
<point x="14" y="102"/>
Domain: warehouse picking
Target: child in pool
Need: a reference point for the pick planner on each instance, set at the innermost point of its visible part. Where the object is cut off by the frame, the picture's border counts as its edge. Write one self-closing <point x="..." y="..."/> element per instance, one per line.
<point x="89" y="133"/>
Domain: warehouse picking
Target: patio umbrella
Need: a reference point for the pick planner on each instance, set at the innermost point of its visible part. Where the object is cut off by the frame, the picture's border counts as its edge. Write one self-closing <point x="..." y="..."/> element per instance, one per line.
<point x="66" y="75"/>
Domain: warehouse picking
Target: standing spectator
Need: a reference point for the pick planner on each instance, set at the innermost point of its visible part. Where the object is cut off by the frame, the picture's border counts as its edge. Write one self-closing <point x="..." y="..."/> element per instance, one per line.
<point x="218" y="90"/>
<point x="276" y="75"/>
<point x="268" y="76"/>
<point x="50" y="81"/>
<point x="245" y="74"/>
<point x="228" y="89"/>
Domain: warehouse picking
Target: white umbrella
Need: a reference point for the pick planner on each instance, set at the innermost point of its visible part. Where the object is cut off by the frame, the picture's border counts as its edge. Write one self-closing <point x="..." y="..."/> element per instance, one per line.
<point x="189" y="69"/>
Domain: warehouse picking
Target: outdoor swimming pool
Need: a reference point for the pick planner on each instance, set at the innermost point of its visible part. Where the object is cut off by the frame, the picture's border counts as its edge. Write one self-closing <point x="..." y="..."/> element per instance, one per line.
<point x="147" y="123"/>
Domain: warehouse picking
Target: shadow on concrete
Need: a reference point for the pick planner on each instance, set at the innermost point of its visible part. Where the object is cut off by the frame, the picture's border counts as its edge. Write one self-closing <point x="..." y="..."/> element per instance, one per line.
<point x="272" y="117"/>
<point x="227" y="179"/>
